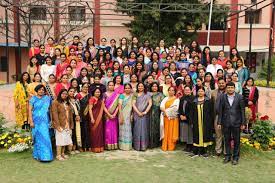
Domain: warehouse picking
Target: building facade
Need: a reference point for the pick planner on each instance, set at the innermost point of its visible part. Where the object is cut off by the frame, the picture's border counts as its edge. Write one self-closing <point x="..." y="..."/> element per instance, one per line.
<point x="97" y="19"/>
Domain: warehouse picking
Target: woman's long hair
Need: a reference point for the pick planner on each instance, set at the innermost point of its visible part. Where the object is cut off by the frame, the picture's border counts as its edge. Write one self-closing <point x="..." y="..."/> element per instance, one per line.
<point x="212" y="81"/>
<point x="21" y="78"/>
<point x="59" y="98"/>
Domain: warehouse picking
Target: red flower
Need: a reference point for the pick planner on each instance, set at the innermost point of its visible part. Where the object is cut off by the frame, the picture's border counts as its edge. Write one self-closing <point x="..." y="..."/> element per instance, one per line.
<point x="264" y="118"/>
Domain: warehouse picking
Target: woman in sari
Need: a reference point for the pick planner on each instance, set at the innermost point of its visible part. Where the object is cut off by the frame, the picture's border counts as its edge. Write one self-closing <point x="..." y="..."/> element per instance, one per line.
<point x="97" y="84"/>
<point x="229" y="70"/>
<point x="142" y="103"/>
<point x="134" y="82"/>
<point x="169" y="122"/>
<point x="125" y="121"/>
<point x="64" y="84"/>
<point x="118" y="84"/>
<point x="251" y="96"/>
<point x="76" y="132"/>
<point x="36" y="81"/>
<point x="96" y="111"/>
<point x="33" y="67"/>
<point x="168" y="83"/>
<point x="154" y="125"/>
<point x="243" y="72"/>
<point x="39" y="119"/>
<point x="209" y="84"/>
<point x="186" y="131"/>
<point x="111" y="125"/>
<point x="202" y="119"/>
<point x="83" y="97"/>
<point x="20" y="97"/>
<point x="238" y="85"/>
<point x="50" y="86"/>
<point x="164" y="73"/>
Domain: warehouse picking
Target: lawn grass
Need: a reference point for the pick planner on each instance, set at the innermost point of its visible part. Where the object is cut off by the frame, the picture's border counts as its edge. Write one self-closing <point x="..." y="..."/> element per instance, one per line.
<point x="150" y="166"/>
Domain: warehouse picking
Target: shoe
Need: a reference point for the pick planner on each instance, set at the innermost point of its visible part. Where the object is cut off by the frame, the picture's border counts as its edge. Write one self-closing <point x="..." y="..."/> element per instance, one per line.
<point x="218" y="154"/>
<point x="194" y="155"/>
<point x="234" y="162"/>
<point x="226" y="160"/>
<point x="205" y="155"/>
<point x="77" y="152"/>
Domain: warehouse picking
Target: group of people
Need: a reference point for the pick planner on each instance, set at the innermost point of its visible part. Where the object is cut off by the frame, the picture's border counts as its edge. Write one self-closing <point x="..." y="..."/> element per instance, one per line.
<point x="109" y="97"/>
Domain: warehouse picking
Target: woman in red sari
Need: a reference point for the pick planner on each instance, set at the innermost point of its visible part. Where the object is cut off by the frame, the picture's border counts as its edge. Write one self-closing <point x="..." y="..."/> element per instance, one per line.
<point x="96" y="109"/>
<point x="64" y="84"/>
<point x="251" y="96"/>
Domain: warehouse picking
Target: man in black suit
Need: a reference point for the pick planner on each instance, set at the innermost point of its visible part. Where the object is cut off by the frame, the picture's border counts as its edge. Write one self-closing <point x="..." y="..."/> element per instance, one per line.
<point x="231" y="119"/>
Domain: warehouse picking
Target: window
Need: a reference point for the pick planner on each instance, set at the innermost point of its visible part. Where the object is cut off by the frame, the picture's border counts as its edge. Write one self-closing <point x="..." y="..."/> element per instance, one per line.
<point x="38" y="12"/>
<point x="216" y="25"/>
<point x="77" y="13"/>
<point x="3" y="64"/>
<point x="256" y="15"/>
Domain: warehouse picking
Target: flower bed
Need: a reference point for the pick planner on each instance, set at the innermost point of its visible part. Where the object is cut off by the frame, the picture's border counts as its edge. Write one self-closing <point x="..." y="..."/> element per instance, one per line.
<point x="263" y="136"/>
<point x="16" y="141"/>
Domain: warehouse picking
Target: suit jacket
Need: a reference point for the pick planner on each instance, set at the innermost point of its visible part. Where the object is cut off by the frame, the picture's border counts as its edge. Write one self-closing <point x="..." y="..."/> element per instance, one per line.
<point x="215" y="97"/>
<point x="59" y="116"/>
<point x="231" y="116"/>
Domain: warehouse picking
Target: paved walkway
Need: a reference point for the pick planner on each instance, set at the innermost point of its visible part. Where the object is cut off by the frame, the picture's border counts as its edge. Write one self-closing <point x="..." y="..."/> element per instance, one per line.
<point x="266" y="102"/>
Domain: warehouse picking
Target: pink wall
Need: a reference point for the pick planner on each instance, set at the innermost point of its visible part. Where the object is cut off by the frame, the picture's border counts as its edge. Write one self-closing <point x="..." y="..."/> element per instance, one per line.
<point x="115" y="33"/>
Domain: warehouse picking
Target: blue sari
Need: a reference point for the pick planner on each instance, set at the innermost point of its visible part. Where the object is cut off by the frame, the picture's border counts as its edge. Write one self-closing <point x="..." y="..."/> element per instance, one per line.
<point x="42" y="149"/>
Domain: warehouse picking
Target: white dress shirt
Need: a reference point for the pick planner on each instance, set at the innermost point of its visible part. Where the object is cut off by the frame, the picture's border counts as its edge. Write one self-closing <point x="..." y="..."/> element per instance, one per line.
<point x="47" y="70"/>
<point x="213" y="69"/>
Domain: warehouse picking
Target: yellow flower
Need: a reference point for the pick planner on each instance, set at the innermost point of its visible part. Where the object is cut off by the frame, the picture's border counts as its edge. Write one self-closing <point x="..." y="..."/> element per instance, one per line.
<point x="2" y="142"/>
<point x="9" y="137"/>
<point x="257" y="144"/>
<point x="5" y="145"/>
<point x="9" y="141"/>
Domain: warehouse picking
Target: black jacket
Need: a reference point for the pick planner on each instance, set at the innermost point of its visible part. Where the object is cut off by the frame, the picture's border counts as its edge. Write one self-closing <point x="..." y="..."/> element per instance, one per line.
<point x="231" y="116"/>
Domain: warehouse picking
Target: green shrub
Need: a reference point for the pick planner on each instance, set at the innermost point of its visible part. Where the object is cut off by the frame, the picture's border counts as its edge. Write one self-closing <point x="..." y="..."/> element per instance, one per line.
<point x="3" y="121"/>
<point x="263" y="83"/>
<point x="263" y="72"/>
<point x="263" y="132"/>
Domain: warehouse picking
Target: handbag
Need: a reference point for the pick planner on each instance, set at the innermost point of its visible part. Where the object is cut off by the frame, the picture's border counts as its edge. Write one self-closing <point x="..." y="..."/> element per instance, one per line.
<point x="26" y="126"/>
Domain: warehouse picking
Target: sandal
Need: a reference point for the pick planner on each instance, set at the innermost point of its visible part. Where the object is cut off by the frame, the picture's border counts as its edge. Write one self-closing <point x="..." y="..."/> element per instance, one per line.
<point x="60" y="158"/>
<point x="72" y="153"/>
<point x="65" y="156"/>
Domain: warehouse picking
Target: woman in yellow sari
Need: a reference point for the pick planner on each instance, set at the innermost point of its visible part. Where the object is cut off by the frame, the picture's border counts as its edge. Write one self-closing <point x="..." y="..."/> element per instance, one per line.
<point x="169" y="122"/>
<point x="20" y="97"/>
<point x="36" y="81"/>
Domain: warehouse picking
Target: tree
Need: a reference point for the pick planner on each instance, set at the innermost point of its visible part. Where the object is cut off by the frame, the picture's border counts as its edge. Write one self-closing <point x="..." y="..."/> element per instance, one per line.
<point x="154" y="25"/>
<point x="263" y="72"/>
